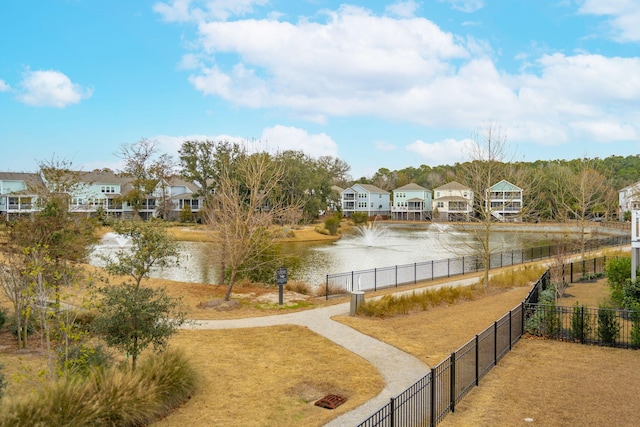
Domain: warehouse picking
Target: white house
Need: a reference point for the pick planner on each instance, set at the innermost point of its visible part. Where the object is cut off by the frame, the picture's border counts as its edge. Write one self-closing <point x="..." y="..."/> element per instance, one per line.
<point x="411" y="202"/>
<point x="628" y="200"/>
<point x="19" y="193"/>
<point x="503" y="201"/>
<point x="452" y="202"/>
<point x="365" y="198"/>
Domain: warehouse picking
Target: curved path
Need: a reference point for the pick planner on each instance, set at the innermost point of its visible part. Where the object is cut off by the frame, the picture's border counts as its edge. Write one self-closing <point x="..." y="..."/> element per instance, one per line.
<point x="399" y="370"/>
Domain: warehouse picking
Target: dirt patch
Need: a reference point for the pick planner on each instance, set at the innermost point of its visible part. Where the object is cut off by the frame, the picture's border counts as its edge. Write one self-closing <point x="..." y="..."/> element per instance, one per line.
<point x="220" y="305"/>
<point x="309" y="391"/>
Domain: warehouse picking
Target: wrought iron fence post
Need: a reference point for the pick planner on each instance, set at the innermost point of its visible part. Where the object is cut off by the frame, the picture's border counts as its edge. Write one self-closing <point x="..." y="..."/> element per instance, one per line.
<point x="396" y="276"/>
<point x="375" y="279"/>
<point x="393" y="411"/>
<point x="477" y="361"/>
<point x="452" y="383"/>
<point x="463" y="265"/>
<point x="448" y="267"/>
<point x="432" y="270"/>
<point x="351" y="280"/>
<point x="415" y="273"/>
<point x="582" y="325"/>
<point x="433" y="398"/>
<point x="495" y="343"/>
<point x="326" y="289"/>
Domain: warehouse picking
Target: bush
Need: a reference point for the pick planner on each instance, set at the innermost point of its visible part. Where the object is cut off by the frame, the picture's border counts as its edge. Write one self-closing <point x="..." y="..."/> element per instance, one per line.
<point x="113" y="397"/>
<point x="631" y="294"/>
<point x="618" y="273"/>
<point x="359" y="218"/>
<point x="332" y="223"/>
<point x="635" y="327"/>
<point x="3" y="318"/>
<point x="608" y="325"/>
<point x="580" y="325"/>
<point x="391" y="305"/>
<point x="81" y="359"/>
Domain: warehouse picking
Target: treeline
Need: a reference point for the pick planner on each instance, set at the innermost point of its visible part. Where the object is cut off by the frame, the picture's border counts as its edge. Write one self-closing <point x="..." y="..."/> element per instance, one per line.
<point x="620" y="172"/>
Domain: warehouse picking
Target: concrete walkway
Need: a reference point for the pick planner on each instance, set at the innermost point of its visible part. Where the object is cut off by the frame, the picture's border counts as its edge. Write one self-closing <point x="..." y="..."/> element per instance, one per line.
<point x="399" y="370"/>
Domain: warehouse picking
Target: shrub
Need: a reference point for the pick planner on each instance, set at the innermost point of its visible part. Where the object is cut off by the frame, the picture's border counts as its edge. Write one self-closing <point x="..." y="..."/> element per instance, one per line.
<point x="332" y="223"/>
<point x="359" y="218"/>
<point x="631" y="294"/>
<point x="545" y="321"/>
<point x="391" y="305"/>
<point x="608" y="325"/>
<point x="3" y="318"/>
<point x="618" y="273"/>
<point x="81" y="359"/>
<point x="113" y="397"/>
<point x="298" y="287"/>
<point x="635" y="327"/>
<point x="580" y="325"/>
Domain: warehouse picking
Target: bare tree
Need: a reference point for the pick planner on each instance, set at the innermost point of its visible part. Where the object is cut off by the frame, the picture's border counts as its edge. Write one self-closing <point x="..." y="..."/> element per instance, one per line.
<point x="242" y="210"/>
<point x="486" y="166"/>
<point x="579" y="194"/>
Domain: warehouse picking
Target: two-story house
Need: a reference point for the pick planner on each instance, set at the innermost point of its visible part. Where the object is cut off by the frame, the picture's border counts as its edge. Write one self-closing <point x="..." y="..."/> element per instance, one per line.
<point x="19" y="193"/>
<point x="452" y="202"/>
<point x="628" y="200"/>
<point x="173" y="195"/>
<point x="503" y="201"/>
<point x="365" y="198"/>
<point x="411" y="202"/>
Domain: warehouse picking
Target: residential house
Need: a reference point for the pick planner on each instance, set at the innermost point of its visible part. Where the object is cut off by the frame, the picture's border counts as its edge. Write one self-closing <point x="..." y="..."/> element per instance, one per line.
<point x="452" y="202"/>
<point x="19" y="193"/>
<point x="503" y="201"/>
<point x="175" y="195"/>
<point x="101" y="190"/>
<point x="365" y="198"/>
<point x="411" y="202"/>
<point x="628" y="200"/>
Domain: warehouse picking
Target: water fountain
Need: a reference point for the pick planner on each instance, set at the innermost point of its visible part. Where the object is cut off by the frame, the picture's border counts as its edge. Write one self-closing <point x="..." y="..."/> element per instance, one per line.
<point x="371" y="234"/>
<point x="114" y="240"/>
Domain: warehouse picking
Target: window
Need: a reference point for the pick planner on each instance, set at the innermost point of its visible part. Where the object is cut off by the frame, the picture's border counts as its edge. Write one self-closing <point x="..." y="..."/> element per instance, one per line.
<point x="108" y="189"/>
<point x="441" y="204"/>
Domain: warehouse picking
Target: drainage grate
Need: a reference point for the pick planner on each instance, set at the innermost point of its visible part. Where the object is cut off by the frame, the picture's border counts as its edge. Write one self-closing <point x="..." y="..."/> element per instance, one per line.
<point x="331" y="401"/>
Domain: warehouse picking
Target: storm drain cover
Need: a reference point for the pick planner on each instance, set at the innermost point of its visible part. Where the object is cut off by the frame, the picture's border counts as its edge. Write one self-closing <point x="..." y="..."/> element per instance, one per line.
<point x="331" y="401"/>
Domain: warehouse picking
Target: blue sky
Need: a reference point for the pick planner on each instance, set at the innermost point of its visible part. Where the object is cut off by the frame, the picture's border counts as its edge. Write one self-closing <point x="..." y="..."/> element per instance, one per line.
<point x="377" y="84"/>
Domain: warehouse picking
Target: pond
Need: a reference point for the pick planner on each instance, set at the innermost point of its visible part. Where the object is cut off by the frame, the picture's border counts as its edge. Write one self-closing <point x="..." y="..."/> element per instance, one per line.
<point x="381" y="245"/>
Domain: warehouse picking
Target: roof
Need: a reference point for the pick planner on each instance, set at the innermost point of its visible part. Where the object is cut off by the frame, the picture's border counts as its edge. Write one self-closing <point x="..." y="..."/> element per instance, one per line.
<point x="504" y="186"/>
<point x="371" y="188"/>
<point x="411" y="187"/>
<point x="32" y="181"/>
<point x="453" y="185"/>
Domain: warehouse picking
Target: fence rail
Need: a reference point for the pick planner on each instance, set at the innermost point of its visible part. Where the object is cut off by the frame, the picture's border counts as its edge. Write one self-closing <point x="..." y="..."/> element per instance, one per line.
<point x="431" y="398"/>
<point x="398" y="275"/>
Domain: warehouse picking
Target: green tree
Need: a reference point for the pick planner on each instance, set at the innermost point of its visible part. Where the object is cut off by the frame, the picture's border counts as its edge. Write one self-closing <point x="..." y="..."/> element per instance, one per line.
<point x="132" y="317"/>
<point x="202" y="162"/>
<point x="332" y="223"/>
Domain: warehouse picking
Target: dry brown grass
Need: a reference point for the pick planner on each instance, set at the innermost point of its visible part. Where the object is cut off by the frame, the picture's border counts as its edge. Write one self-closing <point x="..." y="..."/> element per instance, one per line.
<point x="555" y="384"/>
<point x="270" y="377"/>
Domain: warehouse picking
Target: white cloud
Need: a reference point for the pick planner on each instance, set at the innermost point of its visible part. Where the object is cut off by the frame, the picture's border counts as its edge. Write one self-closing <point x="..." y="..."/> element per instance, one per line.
<point x="199" y="10"/>
<point x="467" y="6"/>
<point x="282" y="138"/>
<point x="50" y="88"/>
<point x="445" y="152"/>
<point x="384" y="146"/>
<point x="403" y="9"/>
<point x="4" y="87"/>
<point x="350" y="62"/>
<point x="624" y="16"/>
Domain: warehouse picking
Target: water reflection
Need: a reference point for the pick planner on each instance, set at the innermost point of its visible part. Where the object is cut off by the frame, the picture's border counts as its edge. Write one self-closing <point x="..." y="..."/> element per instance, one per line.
<point x="394" y="245"/>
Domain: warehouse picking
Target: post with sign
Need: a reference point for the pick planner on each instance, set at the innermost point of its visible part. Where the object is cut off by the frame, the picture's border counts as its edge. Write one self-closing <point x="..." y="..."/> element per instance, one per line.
<point x="281" y="280"/>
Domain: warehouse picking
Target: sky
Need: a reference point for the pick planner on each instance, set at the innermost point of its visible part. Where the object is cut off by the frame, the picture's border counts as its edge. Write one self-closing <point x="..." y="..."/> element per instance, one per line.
<point x="378" y="84"/>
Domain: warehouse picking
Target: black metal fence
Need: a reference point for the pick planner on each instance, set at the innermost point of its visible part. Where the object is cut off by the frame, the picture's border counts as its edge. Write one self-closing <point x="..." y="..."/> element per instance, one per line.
<point x="394" y="276"/>
<point x="431" y="398"/>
